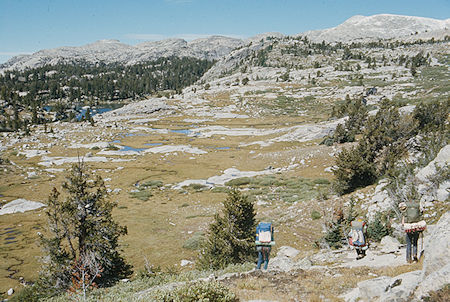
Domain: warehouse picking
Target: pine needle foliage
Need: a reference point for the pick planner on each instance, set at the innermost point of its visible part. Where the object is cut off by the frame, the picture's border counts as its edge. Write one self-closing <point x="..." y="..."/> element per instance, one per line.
<point x="230" y="238"/>
<point x="81" y="226"/>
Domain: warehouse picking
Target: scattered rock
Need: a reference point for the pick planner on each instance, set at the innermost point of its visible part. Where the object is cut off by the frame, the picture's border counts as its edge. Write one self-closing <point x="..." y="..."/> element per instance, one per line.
<point x="287" y="251"/>
<point x="20" y="206"/>
<point x="10" y="292"/>
<point x="389" y="245"/>
<point x="284" y="260"/>
<point x="385" y="288"/>
<point x="436" y="265"/>
<point x="186" y="262"/>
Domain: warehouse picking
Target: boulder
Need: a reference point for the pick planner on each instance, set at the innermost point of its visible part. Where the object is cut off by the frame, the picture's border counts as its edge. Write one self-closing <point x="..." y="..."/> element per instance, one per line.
<point x="185" y="262"/>
<point x="437" y="246"/>
<point x="433" y="282"/>
<point x="385" y="288"/>
<point x="10" y="291"/>
<point x="389" y="245"/>
<point x="304" y="264"/>
<point x="436" y="265"/>
<point x="284" y="261"/>
<point x="287" y="251"/>
<point x="401" y="287"/>
<point x="371" y="289"/>
<point x="442" y="158"/>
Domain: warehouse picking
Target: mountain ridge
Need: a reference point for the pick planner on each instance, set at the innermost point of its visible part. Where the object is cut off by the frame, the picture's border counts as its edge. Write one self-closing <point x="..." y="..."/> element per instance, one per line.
<point x="358" y="27"/>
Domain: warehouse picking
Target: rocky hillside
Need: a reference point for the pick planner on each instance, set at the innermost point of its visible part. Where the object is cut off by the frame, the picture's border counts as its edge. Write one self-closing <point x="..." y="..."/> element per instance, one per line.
<point x="384" y="26"/>
<point x="276" y="118"/>
<point x="113" y="51"/>
<point x="215" y="47"/>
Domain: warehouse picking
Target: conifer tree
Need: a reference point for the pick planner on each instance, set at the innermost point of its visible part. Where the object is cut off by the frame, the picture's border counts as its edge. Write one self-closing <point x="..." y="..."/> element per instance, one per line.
<point x="81" y="227"/>
<point x="231" y="236"/>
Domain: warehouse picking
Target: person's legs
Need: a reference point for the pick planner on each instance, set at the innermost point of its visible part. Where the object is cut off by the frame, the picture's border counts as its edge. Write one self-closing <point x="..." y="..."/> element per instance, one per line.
<point x="408" y="247"/>
<point x="358" y="253"/>
<point x="260" y="260"/>
<point x="415" y="239"/>
<point x="266" y="252"/>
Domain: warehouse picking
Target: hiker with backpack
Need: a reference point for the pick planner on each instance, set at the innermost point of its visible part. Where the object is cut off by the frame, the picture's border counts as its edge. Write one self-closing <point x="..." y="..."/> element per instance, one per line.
<point x="264" y="242"/>
<point x="357" y="237"/>
<point x="413" y="225"/>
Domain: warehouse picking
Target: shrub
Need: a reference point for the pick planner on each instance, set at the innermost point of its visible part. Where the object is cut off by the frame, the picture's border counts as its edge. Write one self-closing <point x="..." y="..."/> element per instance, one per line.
<point x="440" y="295"/>
<point x="379" y="227"/>
<point x="220" y="190"/>
<point x="32" y="293"/>
<point x="315" y="215"/>
<point x="321" y="181"/>
<point x="142" y="195"/>
<point x="355" y="168"/>
<point x="334" y="237"/>
<point x="83" y="236"/>
<point x="431" y="116"/>
<point x="152" y="184"/>
<point x="200" y="291"/>
<point x="343" y="135"/>
<point x="267" y="181"/>
<point x="195" y="242"/>
<point x="230" y="237"/>
<point x="197" y="187"/>
<point x="111" y="147"/>
<point x="238" y="182"/>
<point x="338" y="227"/>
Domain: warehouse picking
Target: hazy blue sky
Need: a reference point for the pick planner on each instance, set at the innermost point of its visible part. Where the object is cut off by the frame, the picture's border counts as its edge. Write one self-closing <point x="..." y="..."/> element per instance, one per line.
<point x="27" y="26"/>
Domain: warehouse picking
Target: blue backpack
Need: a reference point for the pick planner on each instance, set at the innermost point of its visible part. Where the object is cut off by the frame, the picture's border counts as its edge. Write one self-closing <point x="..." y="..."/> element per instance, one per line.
<point x="264" y="233"/>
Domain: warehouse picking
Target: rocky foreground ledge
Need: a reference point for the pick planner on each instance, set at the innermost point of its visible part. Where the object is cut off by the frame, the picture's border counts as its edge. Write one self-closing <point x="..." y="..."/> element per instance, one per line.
<point x="410" y="286"/>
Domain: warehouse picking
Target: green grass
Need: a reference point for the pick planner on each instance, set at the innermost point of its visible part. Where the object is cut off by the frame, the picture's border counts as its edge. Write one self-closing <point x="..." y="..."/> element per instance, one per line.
<point x="153" y="184"/>
<point x="237" y="182"/>
<point x="142" y="195"/>
<point x="315" y="215"/>
<point x="128" y="291"/>
<point x="197" y="187"/>
<point x="195" y="242"/>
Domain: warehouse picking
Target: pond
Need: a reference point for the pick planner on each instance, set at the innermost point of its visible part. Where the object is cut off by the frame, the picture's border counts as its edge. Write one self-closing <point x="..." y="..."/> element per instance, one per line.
<point x="81" y="110"/>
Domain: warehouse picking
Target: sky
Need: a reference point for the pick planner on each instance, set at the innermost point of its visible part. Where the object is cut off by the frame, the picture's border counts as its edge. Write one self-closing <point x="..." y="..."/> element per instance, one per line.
<point x="27" y="26"/>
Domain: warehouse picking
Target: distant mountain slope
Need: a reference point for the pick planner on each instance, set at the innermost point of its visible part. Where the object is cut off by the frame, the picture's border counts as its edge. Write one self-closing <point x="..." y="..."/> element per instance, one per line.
<point x="384" y="26"/>
<point x="112" y="51"/>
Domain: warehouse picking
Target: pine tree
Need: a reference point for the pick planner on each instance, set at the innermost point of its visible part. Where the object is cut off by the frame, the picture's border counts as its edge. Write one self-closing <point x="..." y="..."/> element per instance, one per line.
<point x="231" y="236"/>
<point x="81" y="227"/>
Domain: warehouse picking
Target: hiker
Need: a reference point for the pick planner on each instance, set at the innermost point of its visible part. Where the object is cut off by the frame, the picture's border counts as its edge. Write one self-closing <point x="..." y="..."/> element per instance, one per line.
<point x="357" y="237"/>
<point x="264" y="242"/>
<point x="413" y="225"/>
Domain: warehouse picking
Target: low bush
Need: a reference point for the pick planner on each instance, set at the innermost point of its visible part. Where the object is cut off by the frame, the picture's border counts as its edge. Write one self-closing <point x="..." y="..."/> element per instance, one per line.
<point x="220" y="190"/>
<point x="200" y="291"/>
<point x="195" y="242"/>
<point x="315" y="215"/>
<point x="238" y="182"/>
<point x="321" y="181"/>
<point x="197" y="187"/>
<point x="441" y="295"/>
<point x="379" y="227"/>
<point x="111" y="147"/>
<point x="153" y="184"/>
<point x="142" y="195"/>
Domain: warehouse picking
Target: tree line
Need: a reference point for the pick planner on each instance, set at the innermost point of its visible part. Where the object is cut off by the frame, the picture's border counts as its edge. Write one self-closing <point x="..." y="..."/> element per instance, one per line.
<point x="65" y="84"/>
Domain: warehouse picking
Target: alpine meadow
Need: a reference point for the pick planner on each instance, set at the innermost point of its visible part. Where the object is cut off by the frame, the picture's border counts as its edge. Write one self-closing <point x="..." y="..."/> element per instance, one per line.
<point x="141" y="172"/>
